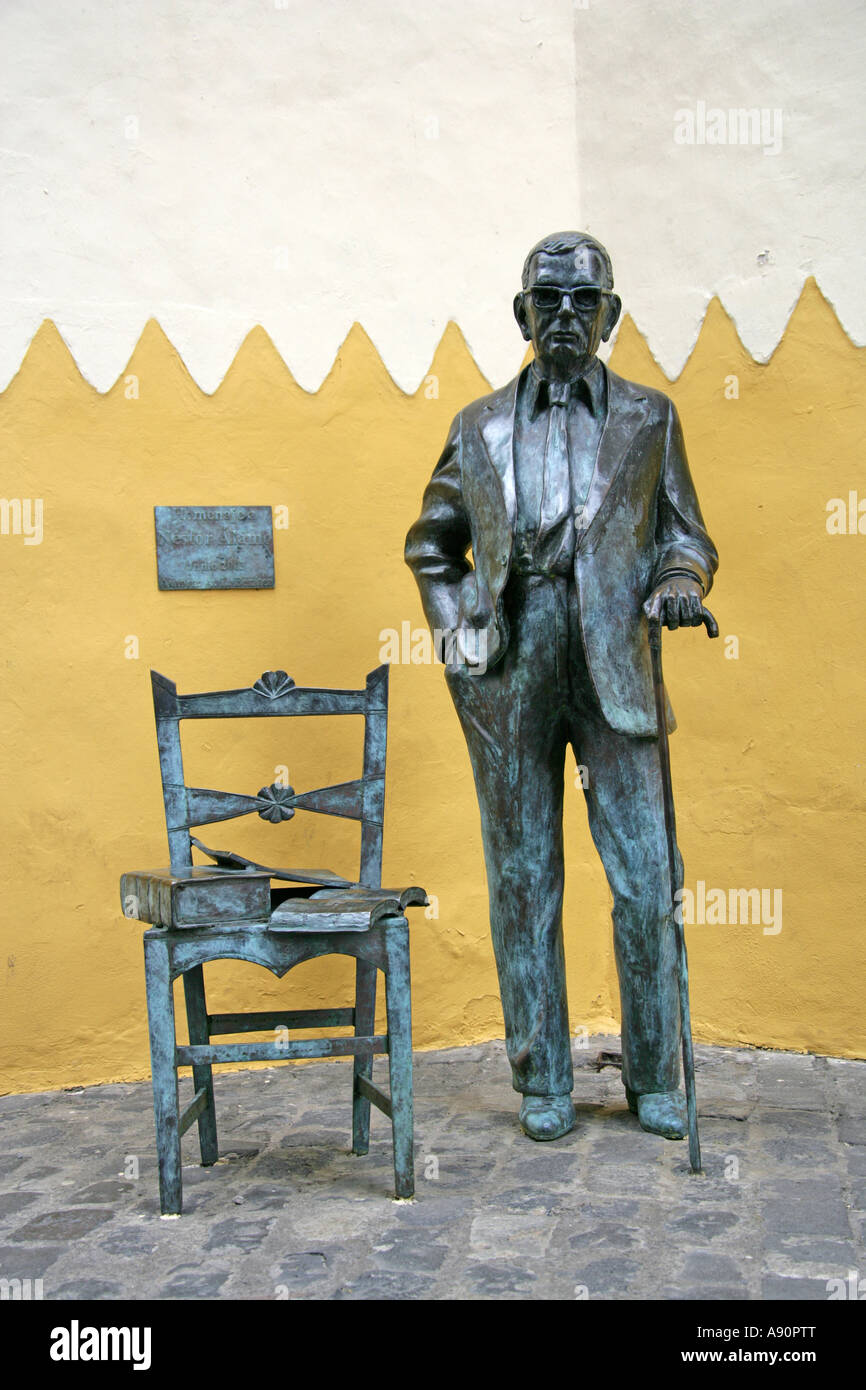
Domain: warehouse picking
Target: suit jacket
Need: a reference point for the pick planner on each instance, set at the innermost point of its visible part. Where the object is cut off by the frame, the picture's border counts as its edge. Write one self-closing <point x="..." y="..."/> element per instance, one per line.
<point x="641" y="520"/>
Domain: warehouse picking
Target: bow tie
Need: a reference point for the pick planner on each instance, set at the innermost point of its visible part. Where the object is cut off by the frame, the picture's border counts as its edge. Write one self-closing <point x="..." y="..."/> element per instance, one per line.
<point x="558" y="392"/>
<point x="562" y="392"/>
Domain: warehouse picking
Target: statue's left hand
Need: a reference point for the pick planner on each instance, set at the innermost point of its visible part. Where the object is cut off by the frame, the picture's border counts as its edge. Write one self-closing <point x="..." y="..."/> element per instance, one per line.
<point x="676" y="602"/>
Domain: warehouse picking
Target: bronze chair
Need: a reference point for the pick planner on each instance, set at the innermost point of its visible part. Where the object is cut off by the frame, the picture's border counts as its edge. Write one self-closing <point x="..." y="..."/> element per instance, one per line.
<point x="230" y="909"/>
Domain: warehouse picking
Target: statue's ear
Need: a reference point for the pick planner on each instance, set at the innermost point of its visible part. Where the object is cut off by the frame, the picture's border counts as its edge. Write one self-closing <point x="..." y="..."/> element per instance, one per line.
<point x="614" y="309"/>
<point x="520" y="315"/>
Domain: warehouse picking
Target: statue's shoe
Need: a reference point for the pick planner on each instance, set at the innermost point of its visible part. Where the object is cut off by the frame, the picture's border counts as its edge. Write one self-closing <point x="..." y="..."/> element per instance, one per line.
<point x="546" y="1117"/>
<point x="660" y="1112"/>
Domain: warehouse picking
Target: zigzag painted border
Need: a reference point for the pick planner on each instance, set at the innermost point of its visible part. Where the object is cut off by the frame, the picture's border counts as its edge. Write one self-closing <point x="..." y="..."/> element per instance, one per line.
<point x="49" y="352"/>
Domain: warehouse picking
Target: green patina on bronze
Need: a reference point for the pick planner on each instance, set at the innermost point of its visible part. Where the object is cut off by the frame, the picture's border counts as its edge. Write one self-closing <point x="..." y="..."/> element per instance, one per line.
<point x="230" y="910"/>
<point x="571" y="490"/>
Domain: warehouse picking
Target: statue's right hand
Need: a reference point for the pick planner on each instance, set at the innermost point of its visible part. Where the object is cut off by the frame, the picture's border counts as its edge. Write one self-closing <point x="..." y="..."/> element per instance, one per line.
<point x="475" y="641"/>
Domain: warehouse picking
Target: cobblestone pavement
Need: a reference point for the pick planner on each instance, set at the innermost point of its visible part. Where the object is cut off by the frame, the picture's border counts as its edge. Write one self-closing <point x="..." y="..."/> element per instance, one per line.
<point x="288" y="1212"/>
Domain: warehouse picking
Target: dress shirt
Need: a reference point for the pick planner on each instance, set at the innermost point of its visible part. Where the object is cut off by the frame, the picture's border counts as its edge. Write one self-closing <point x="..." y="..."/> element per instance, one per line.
<point x="549" y="548"/>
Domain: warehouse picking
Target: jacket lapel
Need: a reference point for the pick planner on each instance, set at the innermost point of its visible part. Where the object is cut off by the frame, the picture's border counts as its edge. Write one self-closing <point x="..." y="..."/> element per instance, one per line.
<point x="496" y="426"/>
<point x="626" y="412"/>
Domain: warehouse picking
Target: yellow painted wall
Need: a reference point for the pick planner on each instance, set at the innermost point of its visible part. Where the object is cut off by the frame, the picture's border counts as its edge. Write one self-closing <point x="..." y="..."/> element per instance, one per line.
<point x="768" y="759"/>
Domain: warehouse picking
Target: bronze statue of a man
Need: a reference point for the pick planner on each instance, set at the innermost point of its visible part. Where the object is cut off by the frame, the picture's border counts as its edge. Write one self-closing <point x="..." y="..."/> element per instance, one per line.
<point x="571" y="488"/>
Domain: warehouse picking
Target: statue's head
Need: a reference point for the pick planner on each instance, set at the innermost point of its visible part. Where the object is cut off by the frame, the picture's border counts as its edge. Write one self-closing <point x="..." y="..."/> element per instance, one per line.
<point x="567" y="305"/>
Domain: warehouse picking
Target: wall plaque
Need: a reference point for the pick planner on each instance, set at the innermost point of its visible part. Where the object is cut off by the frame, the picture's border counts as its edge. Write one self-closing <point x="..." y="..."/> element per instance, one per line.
<point x="214" y="547"/>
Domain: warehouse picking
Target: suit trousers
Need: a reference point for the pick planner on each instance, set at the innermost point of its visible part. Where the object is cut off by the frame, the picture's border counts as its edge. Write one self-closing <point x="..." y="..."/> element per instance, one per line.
<point x="518" y="718"/>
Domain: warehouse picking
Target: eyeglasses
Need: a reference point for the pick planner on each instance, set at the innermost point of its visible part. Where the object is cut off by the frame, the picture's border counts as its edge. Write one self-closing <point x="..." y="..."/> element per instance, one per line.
<point x="583" y="298"/>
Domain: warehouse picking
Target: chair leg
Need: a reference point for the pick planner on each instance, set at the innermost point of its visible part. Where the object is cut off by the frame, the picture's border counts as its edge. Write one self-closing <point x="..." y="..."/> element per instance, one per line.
<point x="399" y="1007"/>
<point x="202" y="1077"/>
<point x="365" y="1023"/>
<point x="166" y="1110"/>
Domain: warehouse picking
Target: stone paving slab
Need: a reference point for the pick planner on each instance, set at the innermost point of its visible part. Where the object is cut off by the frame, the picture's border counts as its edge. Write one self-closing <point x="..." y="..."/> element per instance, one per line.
<point x="608" y="1212"/>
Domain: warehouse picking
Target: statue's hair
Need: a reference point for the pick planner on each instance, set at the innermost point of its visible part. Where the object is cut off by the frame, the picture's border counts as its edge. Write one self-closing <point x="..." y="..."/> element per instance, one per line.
<point x="567" y="241"/>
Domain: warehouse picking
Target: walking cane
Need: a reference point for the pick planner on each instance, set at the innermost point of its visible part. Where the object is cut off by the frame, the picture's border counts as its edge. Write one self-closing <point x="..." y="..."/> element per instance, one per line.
<point x="655" y="638"/>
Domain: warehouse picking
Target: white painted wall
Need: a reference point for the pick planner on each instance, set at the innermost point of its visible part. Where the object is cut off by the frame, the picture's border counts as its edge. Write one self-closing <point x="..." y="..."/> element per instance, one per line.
<point x="684" y="222"/>
<point x="222" y="163"/>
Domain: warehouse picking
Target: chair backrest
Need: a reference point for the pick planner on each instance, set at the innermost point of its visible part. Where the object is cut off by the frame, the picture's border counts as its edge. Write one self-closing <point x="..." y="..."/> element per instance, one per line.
<point x="274" y="694"/>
